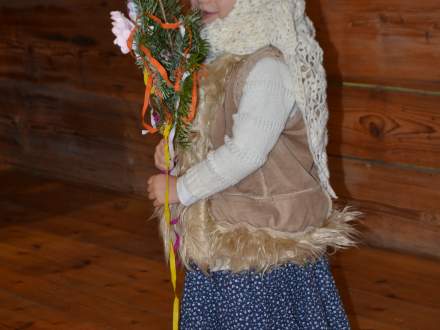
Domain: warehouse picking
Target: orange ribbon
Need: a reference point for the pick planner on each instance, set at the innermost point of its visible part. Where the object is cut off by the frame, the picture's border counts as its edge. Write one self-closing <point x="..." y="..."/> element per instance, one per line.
<point x="164" y="74"/>
<point x="165" y="25"/>
<point x="149" y="86"/>
<point x="156" y="65"/>
<point x="193" y="107"/>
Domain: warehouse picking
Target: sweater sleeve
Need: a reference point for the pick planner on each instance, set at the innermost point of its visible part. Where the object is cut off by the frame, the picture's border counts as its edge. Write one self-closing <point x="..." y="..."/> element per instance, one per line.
<point x="265" y="106"/>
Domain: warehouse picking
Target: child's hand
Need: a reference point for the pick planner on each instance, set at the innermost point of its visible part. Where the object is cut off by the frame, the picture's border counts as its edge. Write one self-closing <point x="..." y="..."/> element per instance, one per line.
<point x="159" y="156"/>
<point x="156" y="189"/>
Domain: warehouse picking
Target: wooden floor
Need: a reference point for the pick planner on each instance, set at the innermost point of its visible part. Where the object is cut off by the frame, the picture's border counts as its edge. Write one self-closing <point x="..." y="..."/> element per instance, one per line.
<point x="75" y="257"/>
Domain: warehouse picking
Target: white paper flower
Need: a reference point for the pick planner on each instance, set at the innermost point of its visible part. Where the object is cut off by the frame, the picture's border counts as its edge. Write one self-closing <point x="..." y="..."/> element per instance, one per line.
<point x="132" y="10"/>
<point x="122" y="28"/>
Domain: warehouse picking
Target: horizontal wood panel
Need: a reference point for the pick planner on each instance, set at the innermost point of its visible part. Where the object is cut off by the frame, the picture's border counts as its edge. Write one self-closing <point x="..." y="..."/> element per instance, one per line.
<point x="53" y="42"/>
<point x="393" y="127"/>
<point x="76" y="135"/>
<point x="392" y="42"/>
<point x="107" y="73"/>
<point x="364" y="41"/>
<point x="401" y="205"/>
<point x="394" y="186"/>
<point x="66" y="110"/>
<point x="401" y="229"/>
<point x="93" y="163"/>
<point x="89" y="162"/>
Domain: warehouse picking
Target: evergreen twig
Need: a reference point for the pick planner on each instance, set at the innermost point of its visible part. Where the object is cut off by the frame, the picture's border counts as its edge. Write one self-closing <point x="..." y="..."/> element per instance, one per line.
<point x="168" y="48"/>
<point x="165" y="20"/>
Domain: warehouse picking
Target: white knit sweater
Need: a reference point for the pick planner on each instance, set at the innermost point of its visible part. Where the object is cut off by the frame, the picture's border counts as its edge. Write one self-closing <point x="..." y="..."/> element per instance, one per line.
<point x="266" y="104"/>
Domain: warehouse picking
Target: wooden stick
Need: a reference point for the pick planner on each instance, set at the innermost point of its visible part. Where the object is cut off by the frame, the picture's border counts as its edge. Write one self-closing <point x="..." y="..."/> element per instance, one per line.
<point x="162" y="8"/>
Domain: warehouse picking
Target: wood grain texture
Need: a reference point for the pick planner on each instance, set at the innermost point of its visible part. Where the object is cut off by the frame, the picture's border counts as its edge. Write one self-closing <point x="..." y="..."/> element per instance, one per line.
<point x="401" y="205"/>
<point x="389" y="185"/>
<point x="66" y="43"/>
<point x="392" y="127"/>
<point x="85" y="258"/>
<point x="71" y="98"/>
<point x="395" y="43"/>
<point x="392" y="42"/>
<point x="77" y="135"/>
<point x="387" y="280"/>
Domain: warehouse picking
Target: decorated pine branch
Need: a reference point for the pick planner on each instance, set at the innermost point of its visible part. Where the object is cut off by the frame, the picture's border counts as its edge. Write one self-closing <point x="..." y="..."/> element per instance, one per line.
<point x="168" y="48"/>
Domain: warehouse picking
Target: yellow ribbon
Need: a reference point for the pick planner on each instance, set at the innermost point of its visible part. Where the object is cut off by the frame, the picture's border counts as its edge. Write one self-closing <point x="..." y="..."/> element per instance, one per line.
<point x="146" y="76"/>
<point x="167" y="213"/>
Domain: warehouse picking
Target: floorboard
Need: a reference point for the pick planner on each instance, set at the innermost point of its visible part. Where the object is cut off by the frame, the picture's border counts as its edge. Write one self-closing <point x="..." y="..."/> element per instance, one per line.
<point x="83" y="258"/>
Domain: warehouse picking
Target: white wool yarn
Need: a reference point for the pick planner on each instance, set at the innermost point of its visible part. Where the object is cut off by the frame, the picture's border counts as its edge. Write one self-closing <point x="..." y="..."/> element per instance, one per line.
<point x="253" y="24"/>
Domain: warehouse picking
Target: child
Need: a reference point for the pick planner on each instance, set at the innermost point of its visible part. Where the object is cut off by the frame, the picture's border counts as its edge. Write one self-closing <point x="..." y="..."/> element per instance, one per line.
<point x="252" y="192"/>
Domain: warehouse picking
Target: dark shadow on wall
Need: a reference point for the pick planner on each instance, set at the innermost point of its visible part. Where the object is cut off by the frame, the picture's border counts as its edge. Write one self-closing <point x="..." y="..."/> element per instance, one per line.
<point x="334" y="91"/>
<point x="334" y="99"/>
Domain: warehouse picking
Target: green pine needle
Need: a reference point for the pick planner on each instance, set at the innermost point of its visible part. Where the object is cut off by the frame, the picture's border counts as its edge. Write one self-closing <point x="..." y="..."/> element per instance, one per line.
<point x="168" y="47"/>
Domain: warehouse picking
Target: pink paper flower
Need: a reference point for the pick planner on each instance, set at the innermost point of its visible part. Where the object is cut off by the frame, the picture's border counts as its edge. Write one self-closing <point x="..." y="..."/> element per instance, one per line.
<point x="122" y="28"/>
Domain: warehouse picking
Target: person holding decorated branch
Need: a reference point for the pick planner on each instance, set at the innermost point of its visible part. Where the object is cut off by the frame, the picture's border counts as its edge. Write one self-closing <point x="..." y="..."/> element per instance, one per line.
<point x="251" y="202"/>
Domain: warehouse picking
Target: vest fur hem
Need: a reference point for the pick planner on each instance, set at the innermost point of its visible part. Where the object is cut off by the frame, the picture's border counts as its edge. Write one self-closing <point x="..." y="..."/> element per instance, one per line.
<point x="243" y="247"/>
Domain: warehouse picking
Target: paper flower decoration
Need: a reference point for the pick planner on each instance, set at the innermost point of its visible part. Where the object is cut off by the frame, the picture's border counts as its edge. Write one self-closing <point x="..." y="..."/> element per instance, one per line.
<point x="122" y="28"/>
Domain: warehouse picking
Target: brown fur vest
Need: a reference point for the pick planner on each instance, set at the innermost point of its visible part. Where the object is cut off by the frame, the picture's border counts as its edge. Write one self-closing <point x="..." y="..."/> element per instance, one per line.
<point x="279" y="213"/>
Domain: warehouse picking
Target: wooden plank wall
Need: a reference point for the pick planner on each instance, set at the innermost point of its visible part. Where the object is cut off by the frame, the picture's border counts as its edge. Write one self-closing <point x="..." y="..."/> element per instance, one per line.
<point x="382" y="60"/>
<point x="70" y="99"/>
<point x="70" y="105"/>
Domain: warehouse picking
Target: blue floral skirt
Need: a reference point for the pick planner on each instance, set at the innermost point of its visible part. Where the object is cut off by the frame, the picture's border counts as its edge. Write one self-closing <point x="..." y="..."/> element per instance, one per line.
<point x="288" y="297"/>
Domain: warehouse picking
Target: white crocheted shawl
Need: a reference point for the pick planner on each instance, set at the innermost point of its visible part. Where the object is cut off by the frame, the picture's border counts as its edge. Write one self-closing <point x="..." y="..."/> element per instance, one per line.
<point x="253" y="24"/>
